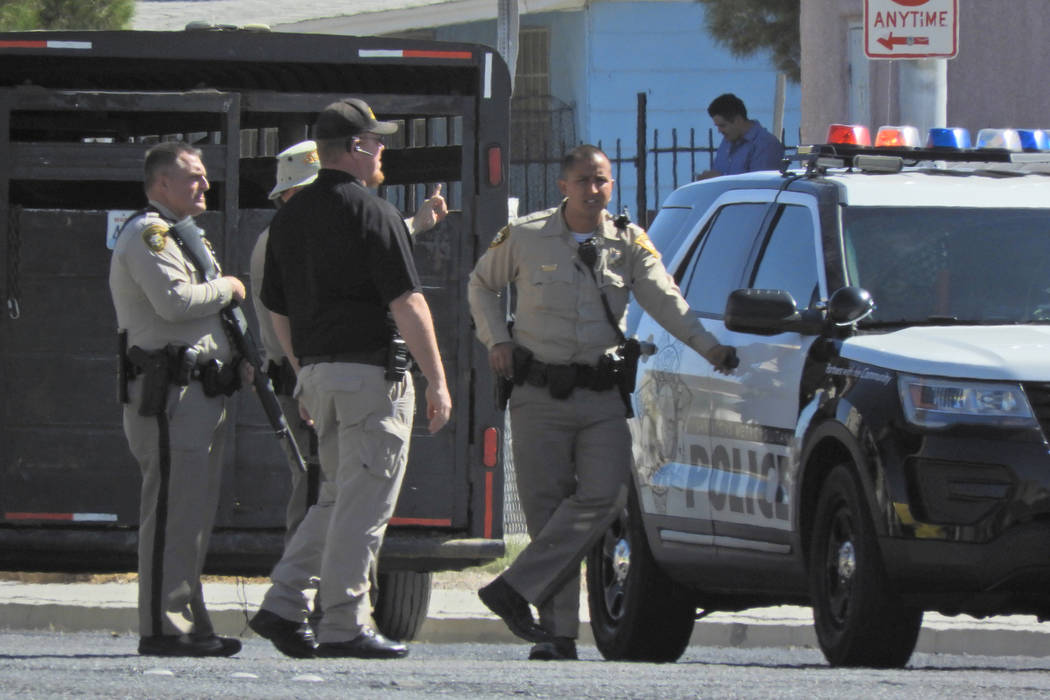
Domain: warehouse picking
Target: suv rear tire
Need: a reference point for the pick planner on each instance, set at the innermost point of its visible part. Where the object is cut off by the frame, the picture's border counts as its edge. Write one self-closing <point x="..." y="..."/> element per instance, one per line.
<point x="858" y="620"/>
<point x="637" y="612"/>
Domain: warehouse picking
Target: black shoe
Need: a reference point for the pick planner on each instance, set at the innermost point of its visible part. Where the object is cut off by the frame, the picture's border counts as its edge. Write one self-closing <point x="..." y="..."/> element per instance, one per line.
<point x="291" y="638"/>
<point x="557" y="649"/>
<point x="188" y="645"/>
<point x="367" y="645"/>
<point x="506" y="602"/>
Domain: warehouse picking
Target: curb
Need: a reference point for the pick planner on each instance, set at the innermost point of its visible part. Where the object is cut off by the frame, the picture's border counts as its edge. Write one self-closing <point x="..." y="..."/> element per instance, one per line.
<point x="456" y="618"/>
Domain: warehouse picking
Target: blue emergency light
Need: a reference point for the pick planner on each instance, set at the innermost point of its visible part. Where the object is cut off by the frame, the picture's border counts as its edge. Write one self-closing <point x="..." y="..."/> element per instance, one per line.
<point x="1034" y="139"/>
<point x="948" y="137"/>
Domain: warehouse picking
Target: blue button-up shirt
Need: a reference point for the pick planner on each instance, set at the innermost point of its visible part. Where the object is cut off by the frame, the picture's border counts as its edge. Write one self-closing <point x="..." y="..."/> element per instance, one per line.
<point x="756" y="150"/>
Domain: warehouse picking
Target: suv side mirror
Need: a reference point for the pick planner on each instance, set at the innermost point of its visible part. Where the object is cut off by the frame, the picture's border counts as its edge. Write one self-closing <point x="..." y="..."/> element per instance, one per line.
<point x="768" y="312"/>
<point x="849" y="305"/>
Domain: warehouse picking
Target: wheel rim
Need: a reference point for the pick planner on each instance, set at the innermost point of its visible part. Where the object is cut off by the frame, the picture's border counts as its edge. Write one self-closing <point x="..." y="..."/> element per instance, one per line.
<point x="615" y="566"/>
<point x="840" y="565"/>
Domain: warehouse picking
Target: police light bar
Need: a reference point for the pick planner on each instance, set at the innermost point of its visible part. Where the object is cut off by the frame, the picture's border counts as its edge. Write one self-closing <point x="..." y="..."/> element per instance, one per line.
<point x="899" y="146"/>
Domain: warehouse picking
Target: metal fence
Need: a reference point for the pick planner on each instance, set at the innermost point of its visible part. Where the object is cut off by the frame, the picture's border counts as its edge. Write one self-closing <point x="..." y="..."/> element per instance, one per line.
<point x="671" y="159"/>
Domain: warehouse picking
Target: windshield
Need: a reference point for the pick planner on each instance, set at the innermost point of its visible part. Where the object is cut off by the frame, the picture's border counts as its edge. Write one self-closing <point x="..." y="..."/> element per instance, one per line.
<point x="950" y="265"/>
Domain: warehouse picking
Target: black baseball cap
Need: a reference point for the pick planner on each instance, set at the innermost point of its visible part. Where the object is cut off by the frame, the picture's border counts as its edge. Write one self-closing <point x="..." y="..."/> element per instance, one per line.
<point x="349" y="117"/>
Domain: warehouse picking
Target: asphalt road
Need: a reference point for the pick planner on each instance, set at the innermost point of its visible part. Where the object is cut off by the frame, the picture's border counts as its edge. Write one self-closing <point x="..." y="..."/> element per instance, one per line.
<point x="102" y="665"/>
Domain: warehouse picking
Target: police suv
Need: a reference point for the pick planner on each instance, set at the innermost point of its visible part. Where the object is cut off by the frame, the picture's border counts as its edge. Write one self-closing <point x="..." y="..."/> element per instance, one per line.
<point x="882" y="448"/>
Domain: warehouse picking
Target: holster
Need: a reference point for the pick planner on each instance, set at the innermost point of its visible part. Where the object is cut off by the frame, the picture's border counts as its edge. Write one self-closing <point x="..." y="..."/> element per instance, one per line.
<point x="630" y="351"/>
<point x="182" y="363"/>
<point x="561" y="380"/>
<point x="397" y="358"/>
<point x="155" y="375"/>
<point x="521" y="359"/>
<point x="282" y="376"/>
<point x="123" y="367"/>
<point x="218" y="378"/>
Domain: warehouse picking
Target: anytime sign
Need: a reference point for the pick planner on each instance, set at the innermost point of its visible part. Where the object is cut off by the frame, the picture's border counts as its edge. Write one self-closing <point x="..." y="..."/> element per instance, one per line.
<point x="911" y="28"/>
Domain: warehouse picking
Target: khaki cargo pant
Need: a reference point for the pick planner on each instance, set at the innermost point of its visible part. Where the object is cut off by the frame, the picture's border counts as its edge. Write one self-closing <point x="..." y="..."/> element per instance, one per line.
<point x="180" y="455"/>
<point x="572" y="459"/>
<point x="364" y="425"/>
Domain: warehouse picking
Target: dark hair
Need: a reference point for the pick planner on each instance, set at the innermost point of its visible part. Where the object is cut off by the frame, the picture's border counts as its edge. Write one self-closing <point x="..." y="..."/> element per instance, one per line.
<point x="162" y="156"/>
<point x="727" y="106"/>
<point x="582" y="153"/>
<point x="329" y="150"/>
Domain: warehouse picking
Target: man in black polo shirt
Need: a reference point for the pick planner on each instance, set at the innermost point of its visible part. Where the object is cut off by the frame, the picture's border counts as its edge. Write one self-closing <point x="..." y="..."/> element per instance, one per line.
<point x="343" y="291"/>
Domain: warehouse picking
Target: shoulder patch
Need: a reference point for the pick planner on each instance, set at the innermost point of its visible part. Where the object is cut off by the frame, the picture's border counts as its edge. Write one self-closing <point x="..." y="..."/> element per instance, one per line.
<point x="155" y="236"/>
<point x="642" y="239"/>
<point x="504" y="234"/>
<point x="534" y="216"/>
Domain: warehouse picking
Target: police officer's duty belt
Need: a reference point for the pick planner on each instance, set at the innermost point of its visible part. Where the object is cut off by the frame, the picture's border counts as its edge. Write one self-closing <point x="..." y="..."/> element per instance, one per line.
<point x="562" y="379"/>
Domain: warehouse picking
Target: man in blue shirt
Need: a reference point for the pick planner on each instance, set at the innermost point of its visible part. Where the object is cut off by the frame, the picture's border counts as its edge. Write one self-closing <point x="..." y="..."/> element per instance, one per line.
<point x="746" y="145"/>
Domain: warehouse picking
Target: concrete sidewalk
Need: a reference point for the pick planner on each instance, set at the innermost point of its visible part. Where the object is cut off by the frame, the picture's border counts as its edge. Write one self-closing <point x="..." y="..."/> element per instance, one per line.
<point x="458" y="616"/>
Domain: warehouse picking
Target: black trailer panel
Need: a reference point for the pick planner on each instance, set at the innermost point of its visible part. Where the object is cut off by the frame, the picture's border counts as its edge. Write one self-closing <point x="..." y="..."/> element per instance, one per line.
<point x="77" y="112"/>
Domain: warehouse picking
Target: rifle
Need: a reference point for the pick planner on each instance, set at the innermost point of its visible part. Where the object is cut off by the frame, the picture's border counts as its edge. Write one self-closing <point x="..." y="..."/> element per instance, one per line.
<point x="189" y="238"/>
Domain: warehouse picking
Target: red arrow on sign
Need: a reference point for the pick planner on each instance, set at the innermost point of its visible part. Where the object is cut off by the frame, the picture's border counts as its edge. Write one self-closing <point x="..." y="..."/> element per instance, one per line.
<point x="891" y="41"/>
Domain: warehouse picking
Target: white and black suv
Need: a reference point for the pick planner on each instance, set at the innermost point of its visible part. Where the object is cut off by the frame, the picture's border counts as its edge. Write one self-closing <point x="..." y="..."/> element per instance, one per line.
<point x="874" y="464"/>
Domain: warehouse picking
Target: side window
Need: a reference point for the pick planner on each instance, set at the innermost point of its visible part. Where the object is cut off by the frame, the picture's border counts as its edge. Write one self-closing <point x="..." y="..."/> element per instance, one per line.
<point x="789" y="260"/>
<point x="717" y="268"/>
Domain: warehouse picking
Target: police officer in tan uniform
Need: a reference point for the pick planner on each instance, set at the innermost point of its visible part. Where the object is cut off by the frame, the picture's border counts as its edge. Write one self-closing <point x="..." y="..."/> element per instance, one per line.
<point x="176" y="343"/>
<point x="297" y="167"/>
<point x="570" y="438"/>
<point x="337" y="326"/>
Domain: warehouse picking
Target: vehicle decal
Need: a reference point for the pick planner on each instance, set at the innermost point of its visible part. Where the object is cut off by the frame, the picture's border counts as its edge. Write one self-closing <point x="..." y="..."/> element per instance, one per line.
<point x="864" y="374"/>
<point x="737" y="483"/>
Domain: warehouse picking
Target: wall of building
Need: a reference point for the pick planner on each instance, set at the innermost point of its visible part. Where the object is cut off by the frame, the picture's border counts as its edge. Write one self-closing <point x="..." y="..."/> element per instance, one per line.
<point x="997" y="78"/>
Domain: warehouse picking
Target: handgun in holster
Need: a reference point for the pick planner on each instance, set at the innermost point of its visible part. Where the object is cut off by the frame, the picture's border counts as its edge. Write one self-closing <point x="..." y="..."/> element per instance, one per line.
<point x="521" y="359"/>
<point x="155" y="375"/>
<point x="123" y="367"/>
<point x="182" y="363"/>
<point x="397" y="358"/>
<point x="629" y="352"/>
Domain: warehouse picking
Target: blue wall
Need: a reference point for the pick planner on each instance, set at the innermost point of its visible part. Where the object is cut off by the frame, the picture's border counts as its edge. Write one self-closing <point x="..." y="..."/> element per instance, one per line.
<point x="663" y="50"/>
<point x="604" y="55"/>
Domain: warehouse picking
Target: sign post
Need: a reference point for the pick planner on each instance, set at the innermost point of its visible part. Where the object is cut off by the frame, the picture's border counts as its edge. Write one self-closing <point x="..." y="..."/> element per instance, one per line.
<point x="911" y="28"/>
<point x="925" y="33"/>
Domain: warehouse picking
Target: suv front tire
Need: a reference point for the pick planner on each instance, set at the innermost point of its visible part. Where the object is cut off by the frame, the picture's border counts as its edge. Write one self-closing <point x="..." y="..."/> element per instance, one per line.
<point x="637" y="612"/>
<point x="858" y="619"/>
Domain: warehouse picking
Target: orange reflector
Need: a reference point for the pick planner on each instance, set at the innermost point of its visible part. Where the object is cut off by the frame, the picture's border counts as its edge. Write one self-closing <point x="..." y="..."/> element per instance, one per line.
<point x="495" y="156"/>
<point x="490" y="447"/>
<point x="897" y="136"/>
<point x="852" y="134"/>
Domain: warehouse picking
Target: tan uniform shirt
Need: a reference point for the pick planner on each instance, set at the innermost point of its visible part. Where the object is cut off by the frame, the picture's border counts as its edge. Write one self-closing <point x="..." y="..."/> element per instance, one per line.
<point x="267" y="336"/>
<point x="559" y="315"/>
<point x="160" y="297"/>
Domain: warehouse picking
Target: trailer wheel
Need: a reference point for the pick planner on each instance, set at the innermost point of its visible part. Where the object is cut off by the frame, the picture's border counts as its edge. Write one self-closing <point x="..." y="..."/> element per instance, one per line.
<point x="401" y="603"/>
